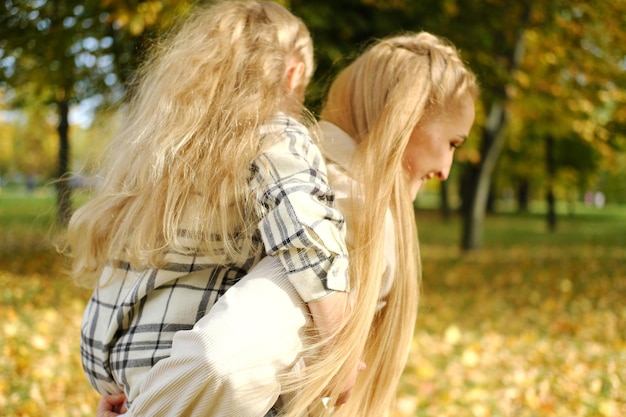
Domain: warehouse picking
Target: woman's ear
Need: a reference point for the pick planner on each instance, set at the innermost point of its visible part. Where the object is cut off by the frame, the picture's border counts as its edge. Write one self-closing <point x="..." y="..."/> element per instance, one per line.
<point x="295" y="75"/>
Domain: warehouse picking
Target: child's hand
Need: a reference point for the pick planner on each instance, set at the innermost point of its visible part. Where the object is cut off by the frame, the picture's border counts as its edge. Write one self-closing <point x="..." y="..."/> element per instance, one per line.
<point x="347" y="389"/>
<point x="329" y="314"/>
<point x="111" y="406"/>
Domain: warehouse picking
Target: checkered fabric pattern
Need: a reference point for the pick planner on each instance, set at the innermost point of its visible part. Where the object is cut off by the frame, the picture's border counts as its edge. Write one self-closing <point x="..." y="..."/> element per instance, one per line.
<point x="132" y="316"/>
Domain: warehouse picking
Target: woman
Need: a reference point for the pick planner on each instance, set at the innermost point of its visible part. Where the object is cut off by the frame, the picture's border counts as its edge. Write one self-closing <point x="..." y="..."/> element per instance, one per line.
<point x="392" y="121"/>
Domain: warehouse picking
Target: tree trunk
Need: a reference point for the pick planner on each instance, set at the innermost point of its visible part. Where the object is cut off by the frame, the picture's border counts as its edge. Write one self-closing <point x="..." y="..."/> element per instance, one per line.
<point x="480" y="178"/>
<point x="492" y="141"/>
<point x="551" y="171"/>
<point x="64" y="190"/>
<point x="523" y="189"/>
<point x="491" y="199"/>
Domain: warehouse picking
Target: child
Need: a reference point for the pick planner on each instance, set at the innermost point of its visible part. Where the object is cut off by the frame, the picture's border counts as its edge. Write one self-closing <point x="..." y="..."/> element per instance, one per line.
<point x="210" y="172"/>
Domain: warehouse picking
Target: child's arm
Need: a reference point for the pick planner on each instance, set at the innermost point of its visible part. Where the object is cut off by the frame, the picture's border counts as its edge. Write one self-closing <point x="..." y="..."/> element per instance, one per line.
<point x="301" y="226"/>
<point x="329" y="312"/>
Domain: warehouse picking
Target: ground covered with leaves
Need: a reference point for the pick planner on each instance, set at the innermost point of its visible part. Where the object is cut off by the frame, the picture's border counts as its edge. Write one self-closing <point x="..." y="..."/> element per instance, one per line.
<point x="532" y="325"/>
<point x="40" y="315"/>
<point x="535" y="325"/>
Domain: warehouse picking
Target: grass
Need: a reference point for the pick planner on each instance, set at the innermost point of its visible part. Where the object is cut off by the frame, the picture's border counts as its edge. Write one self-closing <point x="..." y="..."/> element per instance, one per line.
<point x="533" y="324"/>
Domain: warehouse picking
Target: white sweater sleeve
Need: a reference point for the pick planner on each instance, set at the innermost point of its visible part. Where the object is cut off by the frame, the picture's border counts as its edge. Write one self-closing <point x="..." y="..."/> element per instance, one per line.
<point x="228" y="363"/>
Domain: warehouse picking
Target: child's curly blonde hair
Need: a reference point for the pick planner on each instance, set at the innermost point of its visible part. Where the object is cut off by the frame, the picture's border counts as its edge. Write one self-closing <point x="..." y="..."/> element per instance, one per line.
<point x="191" y="130"/>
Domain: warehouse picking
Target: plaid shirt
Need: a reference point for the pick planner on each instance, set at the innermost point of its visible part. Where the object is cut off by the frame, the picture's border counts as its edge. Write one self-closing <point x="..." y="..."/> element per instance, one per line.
<point x="131" y="318"/>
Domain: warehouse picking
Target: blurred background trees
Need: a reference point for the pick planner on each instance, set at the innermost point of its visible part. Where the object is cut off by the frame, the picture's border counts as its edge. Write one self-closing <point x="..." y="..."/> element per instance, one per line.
<point x="551" y="126"/>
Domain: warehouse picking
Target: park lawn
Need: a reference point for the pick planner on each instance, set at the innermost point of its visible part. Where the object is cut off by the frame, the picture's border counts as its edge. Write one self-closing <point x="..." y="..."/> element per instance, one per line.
<point x="534" y="324"/>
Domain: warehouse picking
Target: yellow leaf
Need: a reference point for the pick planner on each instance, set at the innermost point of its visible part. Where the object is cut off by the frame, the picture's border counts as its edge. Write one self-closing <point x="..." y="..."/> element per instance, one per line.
<point x="470" y="357"/>
<point x="452" y="335"/>
<point x="426" y="370"/>
<point x="406" y="405"/>
<point x="608" y="408"/>
<point x="39" y="342"/>
<point x="136" y="25"/>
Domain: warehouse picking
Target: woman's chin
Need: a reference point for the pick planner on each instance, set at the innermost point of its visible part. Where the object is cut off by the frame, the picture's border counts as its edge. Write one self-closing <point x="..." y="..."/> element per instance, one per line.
<point x="415" y="188"/>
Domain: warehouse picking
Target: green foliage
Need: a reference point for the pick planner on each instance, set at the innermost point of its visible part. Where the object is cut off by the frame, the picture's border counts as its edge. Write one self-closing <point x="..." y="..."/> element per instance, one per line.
<point x="569" y="82"/>
<point x="568" y="88"/>
<point x="62" y="50"/>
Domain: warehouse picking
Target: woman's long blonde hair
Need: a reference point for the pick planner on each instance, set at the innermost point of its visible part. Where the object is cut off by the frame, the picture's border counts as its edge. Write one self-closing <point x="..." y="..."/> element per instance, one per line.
<point x="378" y="100"/>
<point x="189" y="134"/>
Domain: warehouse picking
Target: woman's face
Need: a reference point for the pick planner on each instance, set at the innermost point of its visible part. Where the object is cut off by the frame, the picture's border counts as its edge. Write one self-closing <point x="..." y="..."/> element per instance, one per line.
<point x="431" y="147"/>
